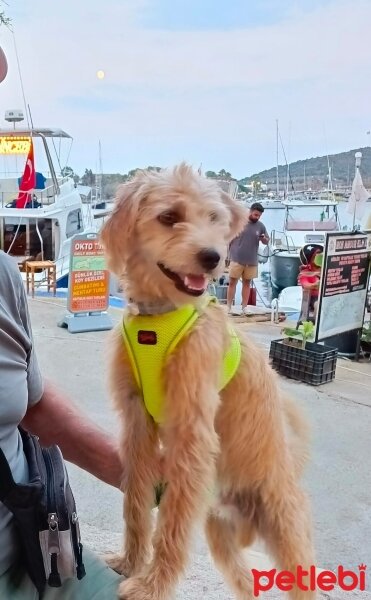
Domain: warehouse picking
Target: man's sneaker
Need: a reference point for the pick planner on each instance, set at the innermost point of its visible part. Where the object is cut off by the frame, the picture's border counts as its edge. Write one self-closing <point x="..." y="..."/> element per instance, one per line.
<point x="233" y="310"/>
<point x="245" y="310"/>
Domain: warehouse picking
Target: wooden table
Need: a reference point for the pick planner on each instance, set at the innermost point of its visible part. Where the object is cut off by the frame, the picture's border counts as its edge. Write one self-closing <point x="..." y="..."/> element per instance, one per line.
<point x="33" y="266"/>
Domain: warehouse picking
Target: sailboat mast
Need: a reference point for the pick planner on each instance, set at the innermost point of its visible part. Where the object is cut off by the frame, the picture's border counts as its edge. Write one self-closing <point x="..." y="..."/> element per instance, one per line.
<point x="100" y="171"/>
<point x="277" y="178"/>
<point x="288" y="165"/>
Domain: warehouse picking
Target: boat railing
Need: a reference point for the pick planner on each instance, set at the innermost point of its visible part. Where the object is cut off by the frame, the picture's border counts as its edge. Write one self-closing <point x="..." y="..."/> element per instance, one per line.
<point x="9" y="191"/>
<point x="62" y="265"/>
<point x="44" y="197"/>
<point x="330" y="225"/>
<point x="280" y="241"/>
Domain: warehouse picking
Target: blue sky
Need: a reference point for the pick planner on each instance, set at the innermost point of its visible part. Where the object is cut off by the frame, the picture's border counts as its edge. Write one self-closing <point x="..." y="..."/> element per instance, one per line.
<point x="198" y="80"/>
<point x="195" y="15"/>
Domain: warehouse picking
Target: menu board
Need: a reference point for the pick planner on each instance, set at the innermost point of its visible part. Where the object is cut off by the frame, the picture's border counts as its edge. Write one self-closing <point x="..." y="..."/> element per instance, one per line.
<point x="344" y="284"/>
<point x="88" y="279"/>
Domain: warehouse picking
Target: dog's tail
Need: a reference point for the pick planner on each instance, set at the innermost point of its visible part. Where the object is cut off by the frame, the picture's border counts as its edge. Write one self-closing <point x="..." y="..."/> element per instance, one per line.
<point x="299" y="434"/>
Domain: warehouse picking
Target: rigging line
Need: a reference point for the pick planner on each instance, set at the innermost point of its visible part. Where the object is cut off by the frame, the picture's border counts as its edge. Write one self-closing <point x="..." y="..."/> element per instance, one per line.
<point x="284" y="154"/>
<point x="29" y="111"/>
<point x="20" y="77"/>
<point x="56" y="154"/>
<point x="69" y="152"/>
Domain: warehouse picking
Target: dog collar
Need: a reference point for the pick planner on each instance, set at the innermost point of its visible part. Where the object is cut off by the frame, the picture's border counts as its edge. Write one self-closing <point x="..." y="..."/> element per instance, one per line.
<point x="150" y="308"/>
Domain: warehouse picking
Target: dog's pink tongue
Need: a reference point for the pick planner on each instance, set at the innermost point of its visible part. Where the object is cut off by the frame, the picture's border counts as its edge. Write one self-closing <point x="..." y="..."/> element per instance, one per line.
<point x="195" y="282"/>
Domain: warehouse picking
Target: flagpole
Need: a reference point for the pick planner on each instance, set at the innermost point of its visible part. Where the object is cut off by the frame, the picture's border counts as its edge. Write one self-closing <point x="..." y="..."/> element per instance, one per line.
<point x="358" y="157"/>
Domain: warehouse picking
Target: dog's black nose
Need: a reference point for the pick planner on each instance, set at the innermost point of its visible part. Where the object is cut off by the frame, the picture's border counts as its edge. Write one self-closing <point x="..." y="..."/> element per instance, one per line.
<point x="208" y="258"/>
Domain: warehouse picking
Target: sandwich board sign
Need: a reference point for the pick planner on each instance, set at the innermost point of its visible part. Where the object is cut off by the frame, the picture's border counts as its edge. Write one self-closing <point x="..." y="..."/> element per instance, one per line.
<point x="344" y="284"/>
<point x="88" y="286"/>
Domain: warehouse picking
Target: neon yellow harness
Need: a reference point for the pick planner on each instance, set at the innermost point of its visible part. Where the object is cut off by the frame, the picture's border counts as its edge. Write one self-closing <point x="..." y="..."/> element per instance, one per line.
<point x="150" y="339"/>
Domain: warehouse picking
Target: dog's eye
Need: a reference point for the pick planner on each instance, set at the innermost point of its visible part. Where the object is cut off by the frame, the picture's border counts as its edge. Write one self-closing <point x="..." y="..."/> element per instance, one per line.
<point x="168" y="218"/>
<point x="213" y="216"/>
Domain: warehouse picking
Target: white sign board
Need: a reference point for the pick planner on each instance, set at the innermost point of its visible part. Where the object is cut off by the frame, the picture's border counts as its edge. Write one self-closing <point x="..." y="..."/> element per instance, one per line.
<point x="344" y="283"/>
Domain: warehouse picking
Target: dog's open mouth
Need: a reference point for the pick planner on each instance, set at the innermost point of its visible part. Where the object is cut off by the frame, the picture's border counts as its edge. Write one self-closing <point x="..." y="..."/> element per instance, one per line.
<point x="194" y="285"/>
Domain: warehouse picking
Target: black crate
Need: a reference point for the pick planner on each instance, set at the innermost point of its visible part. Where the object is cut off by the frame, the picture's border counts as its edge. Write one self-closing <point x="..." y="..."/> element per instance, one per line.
<point x="316" y="364"/>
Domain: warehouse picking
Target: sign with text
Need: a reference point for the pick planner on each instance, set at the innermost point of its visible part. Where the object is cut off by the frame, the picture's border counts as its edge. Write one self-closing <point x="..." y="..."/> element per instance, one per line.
<point x="344" y="284"/>
<point x="89" y="279"/>
<point x="15" y="145"/>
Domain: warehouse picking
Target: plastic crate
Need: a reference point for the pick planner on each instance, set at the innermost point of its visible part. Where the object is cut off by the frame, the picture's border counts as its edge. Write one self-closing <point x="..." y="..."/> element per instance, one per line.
<point x="316" y="364"/>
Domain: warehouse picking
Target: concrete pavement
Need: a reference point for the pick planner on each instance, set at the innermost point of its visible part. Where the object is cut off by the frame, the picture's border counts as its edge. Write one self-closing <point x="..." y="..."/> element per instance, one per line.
<point x="338" y="478"/>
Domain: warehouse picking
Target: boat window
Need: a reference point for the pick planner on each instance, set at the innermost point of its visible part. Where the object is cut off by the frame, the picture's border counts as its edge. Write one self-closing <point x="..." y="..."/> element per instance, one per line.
<point x="15" y="239"/>
<point x="74" y="223"/>
<point x="23" y="239"/>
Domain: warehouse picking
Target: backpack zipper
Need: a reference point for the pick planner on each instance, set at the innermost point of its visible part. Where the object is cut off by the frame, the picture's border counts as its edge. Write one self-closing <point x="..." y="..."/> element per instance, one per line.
<point x="76" y="540"/>
<point x="54" y="548"/>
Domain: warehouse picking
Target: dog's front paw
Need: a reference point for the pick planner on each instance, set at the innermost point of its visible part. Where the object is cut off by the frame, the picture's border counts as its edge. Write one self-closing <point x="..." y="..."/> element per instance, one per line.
<point x="118" y="563"/>
<point x="135" y="588"/>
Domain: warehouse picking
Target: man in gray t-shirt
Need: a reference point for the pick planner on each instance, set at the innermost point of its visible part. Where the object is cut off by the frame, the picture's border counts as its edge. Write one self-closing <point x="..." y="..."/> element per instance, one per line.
<point x="243" y="254"/>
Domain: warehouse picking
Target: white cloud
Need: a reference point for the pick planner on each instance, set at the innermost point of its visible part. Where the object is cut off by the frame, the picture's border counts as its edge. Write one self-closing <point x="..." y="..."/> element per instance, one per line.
<point x="171" y="92"/>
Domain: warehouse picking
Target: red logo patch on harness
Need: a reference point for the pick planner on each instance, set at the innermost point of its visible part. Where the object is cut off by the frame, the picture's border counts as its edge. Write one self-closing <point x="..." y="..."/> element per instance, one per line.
<point x="148" y="338"/>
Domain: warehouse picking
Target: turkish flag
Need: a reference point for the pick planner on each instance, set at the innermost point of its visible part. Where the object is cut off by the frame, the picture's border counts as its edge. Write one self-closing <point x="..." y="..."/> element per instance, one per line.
<point x="28" y="181"/>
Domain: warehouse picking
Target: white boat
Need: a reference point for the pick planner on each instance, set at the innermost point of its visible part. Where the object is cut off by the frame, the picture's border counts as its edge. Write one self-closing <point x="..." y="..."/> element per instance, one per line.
<point x="272" y="203"/>
<point x="54" y="213"/>
<point x="306" y="222"/>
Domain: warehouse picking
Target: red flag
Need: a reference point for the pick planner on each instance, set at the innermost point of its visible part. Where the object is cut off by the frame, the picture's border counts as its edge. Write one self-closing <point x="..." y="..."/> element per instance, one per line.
<point x="28" y="180"/>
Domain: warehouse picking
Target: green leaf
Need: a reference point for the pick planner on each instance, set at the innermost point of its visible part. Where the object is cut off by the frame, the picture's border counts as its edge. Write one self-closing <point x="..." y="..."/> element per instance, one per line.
<point x="318" y="260"/>
<point x="293" y="332"/>
<point x="308" y="329"/>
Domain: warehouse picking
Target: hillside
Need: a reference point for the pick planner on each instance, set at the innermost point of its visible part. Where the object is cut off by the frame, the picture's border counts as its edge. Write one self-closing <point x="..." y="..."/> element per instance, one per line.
<point x="315" y="171"/>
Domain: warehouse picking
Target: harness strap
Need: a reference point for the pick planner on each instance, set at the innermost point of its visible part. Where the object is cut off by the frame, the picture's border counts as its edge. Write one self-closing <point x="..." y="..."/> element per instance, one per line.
<point x="150" y="339"/>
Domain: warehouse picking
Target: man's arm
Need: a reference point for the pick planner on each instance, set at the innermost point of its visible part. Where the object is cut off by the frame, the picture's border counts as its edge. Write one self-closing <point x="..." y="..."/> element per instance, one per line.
<point x="264" y="238"/>
<point x="57" y="421"/>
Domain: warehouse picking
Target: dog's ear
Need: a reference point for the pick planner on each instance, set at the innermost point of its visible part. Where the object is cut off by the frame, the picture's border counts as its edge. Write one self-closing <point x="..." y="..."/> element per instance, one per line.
<point x="116" y="234"/>
<point x="238" y="215"/>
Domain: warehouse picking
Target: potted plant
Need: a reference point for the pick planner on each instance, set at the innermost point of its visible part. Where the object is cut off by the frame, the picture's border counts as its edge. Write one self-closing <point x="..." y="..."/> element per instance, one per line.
<point x="299" y="358"/>
<point x="299" y="336"/>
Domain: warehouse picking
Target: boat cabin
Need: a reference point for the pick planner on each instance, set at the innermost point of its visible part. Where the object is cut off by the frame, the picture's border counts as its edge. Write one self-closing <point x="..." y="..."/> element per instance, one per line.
<point x="311" y="216"/>
<point x="36" y="223"/>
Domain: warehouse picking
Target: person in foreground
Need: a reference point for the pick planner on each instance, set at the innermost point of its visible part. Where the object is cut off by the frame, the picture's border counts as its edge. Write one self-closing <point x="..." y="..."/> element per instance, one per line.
<point x="243" y="253"/>
<point x="25" y="398"/>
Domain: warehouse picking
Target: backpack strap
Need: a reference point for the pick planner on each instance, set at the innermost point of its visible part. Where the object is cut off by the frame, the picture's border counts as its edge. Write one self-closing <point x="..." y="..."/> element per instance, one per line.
<point x="6" y="478"/>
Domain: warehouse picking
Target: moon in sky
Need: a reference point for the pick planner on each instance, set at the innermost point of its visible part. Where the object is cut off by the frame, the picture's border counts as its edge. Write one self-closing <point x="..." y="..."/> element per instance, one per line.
<point x="101" y="74"/>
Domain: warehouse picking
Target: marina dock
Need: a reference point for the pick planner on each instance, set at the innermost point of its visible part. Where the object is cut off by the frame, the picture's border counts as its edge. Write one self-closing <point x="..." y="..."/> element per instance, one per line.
<point x="337" y="479"/>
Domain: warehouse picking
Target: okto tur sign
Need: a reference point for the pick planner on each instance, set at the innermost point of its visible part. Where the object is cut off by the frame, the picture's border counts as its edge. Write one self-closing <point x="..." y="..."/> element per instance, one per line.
<point x="344" y="283"/>
<point x="89" y="278"/>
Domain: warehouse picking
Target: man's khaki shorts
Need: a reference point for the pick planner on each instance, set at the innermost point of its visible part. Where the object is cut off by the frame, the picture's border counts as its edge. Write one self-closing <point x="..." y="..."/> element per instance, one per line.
<point x="247" y="272"/>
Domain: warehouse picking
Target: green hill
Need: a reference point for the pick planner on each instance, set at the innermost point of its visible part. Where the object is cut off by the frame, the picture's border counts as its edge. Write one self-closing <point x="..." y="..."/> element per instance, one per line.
<point x="314" y="171"/>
